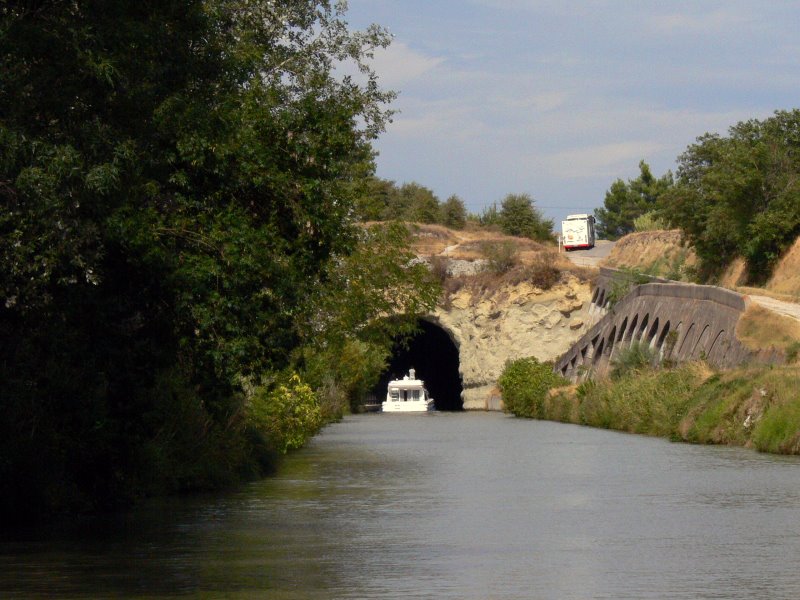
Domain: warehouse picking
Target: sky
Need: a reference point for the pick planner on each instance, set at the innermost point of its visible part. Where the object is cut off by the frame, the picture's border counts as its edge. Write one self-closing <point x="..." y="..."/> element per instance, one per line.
<point x="558" y="99"/>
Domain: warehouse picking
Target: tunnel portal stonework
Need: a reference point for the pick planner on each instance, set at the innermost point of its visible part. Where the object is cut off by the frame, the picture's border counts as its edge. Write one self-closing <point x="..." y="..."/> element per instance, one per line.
<point x="514" y="321"/>
<point x="678" y="321"/>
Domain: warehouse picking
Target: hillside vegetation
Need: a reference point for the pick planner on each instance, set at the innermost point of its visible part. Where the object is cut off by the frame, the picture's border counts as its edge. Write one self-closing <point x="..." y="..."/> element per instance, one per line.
<point x="667" y="254"/>
<point x="754" y="406"/>
<point x="659" y="253"/>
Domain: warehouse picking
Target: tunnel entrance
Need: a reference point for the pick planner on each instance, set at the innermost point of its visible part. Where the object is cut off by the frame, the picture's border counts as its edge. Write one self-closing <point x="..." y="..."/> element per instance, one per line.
<point x="435" y="357"/>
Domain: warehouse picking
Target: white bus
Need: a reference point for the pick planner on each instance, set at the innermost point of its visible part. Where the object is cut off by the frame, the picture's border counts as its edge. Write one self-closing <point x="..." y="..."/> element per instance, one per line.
<point x="577" y="232"/>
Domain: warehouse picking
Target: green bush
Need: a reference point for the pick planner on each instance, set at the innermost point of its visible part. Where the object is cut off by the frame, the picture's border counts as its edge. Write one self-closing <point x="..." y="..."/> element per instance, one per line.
<point x="778" y="430"/>
<point x="286" y="412"/>
<point x="649" y="221"/>
<point x="634" y="358"/>
<point x="525" y="384"/>
<point x="621" y="286"/>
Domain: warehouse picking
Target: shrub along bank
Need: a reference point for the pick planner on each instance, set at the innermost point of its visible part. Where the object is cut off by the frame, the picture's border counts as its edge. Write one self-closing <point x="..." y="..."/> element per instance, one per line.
<point x="754" y="406"/>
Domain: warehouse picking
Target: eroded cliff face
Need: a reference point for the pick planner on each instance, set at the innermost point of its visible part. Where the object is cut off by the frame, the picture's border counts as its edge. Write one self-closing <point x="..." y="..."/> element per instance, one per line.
<point x="510" y="322"/>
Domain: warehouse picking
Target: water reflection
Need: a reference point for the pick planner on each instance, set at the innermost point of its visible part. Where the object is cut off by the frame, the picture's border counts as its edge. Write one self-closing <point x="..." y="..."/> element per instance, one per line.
<point x="448" y="506"/>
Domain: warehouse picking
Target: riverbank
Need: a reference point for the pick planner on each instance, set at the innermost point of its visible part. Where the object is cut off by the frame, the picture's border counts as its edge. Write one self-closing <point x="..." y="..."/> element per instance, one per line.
<point x="755" y="406"/>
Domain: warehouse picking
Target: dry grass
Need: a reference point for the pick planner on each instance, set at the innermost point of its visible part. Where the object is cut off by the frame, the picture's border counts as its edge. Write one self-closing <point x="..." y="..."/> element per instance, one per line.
<point x="659" y="253"/>
<point x="467" y="244"/>
<point x="786" y="277"/>
<point x="428" y="240"/>
<point x="760" y="328"/>
<point x="735" y="275"/>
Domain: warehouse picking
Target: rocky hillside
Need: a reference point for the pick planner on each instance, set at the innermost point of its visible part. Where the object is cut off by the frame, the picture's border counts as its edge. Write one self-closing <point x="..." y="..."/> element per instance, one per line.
<point x="505" y="298"/>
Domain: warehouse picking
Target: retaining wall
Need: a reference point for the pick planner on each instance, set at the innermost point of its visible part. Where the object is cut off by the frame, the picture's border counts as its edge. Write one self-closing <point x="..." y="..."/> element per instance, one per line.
<point x="679" y="321"/>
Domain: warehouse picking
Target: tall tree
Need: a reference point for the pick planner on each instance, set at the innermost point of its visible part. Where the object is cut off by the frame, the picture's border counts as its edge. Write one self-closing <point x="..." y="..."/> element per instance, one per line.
<point x="176" y="179"/>
<point x="519" y="216"/>
<point x="454" y="213"/>
<point x="739" y="195"/>
<point x="626" y="201"/>
<point x="412" y="202"/>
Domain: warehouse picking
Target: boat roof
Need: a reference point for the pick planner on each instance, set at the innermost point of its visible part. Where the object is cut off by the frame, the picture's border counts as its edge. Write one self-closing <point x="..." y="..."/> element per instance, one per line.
<point x="405" y="382"/>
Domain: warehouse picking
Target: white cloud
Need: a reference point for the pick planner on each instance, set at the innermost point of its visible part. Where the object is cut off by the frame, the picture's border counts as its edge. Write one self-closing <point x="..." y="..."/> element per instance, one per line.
<point x="399" y="64"/>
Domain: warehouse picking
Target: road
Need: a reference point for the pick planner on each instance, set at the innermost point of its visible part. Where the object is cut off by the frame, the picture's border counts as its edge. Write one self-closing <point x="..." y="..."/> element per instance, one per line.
<point x="591" y="257"/>
<point x="788" y="309"/>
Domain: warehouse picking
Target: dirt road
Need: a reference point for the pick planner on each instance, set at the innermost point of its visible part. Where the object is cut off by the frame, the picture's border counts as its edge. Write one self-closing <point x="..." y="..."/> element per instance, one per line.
<point x="789" y="309"/>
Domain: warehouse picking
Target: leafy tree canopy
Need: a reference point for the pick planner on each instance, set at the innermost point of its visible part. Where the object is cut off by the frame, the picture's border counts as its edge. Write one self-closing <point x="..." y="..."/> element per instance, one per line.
<point x="626" y="201"/>
<point x="177" y="180"/>
<point x="739" y="195"/>
<point x="518" y="216"/>
<point x="454" y="213"/>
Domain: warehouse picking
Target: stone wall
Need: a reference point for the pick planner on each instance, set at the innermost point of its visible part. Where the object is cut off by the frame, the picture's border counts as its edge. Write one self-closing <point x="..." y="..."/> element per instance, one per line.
<point x="678" y="321"/>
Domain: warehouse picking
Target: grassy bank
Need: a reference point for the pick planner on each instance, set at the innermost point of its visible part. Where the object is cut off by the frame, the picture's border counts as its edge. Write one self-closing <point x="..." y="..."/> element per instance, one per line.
<point x="756" y="406"/>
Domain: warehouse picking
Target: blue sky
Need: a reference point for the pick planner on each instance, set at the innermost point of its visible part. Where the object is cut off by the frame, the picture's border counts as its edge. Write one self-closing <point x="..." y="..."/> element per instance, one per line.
<point x="560" y="98"/>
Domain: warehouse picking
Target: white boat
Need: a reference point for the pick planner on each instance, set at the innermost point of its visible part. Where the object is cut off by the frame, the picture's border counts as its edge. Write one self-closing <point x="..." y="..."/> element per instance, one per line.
<point x="407" y="395"/>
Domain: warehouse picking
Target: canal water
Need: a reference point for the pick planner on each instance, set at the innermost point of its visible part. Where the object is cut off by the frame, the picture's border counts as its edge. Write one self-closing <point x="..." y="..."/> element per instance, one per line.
<point x="448" y="505"/>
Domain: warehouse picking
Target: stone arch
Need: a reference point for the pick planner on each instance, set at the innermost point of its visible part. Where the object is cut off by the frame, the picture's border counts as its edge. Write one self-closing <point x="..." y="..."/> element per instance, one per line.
<point x="662" y="338"/>
<point x="631" y="329"/>
<point x="651" y="336"/>
<point x="701" y="340"/>
<point x="713" y="345"/>
<point x="622" y="328"/>
<point x="595" y="295"/>
<point x="434" y="352"/>
<point x="598" y="352"/>
<point x="685" y="337"/>
<point x="611" y="339"/>
<point x="642" y="329"/>
<point x="600" y="298"/>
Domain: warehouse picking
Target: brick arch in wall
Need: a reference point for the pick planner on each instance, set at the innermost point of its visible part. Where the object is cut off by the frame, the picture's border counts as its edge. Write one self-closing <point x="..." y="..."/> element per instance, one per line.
<point x="651" y="335"/>
<point x="716" y="346"/>
<point x="622" y="328"/>
<point x="679" y="322"/>
<point x="628" y="339"/>
<point x="699" y="344"/>
<point x="685" y="337"/>
<point x="639" y="334"/>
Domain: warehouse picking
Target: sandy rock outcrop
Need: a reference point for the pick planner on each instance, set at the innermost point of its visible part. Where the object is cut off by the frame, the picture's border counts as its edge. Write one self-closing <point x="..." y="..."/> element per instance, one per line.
<point x="512" y="322"/>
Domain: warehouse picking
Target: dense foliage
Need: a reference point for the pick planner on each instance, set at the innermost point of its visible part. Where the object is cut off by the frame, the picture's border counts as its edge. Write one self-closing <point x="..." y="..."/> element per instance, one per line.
<point x="625" y="202"/>
<point x="384" y="200"/>
<point x="518" y="216"/>
<point x="178" y="182"/>
<point x="525" y="384"/>
<point x="739" y="195"/>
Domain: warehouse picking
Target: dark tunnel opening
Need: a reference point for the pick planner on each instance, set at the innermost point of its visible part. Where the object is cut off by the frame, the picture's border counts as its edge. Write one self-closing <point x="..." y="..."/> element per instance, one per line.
<point x="434" y="356"/>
